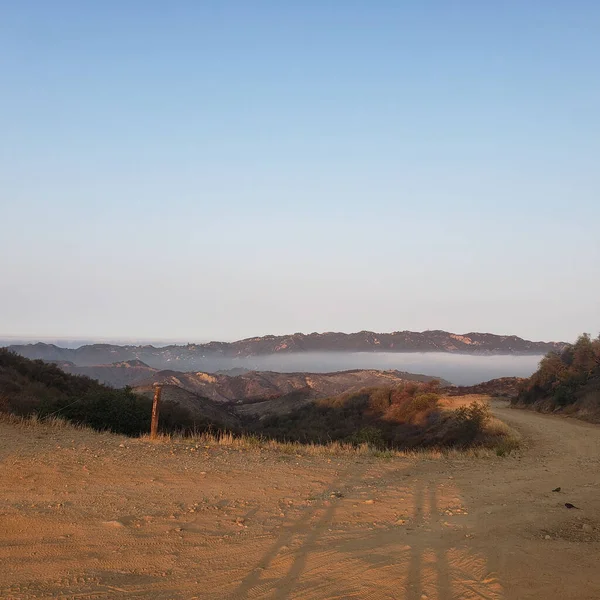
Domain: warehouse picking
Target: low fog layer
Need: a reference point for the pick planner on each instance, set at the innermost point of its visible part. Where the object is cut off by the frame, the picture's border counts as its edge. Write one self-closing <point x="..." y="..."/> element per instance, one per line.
<point x="460" y="369"/>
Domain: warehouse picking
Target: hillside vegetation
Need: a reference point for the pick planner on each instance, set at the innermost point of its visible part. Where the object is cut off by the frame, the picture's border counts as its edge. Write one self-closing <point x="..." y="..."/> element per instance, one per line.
<point x="29" y="387"/>
<point x="407" y="415"/>
<point x="502" y="387"/>
<point x="568" y="380"/>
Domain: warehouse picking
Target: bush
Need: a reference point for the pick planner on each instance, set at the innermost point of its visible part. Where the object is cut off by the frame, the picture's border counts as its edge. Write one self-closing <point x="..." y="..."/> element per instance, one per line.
<point x="406" y="416"/>
<point x="120" y="411"/>
<point x="425" y="402"/>
<point x="368" y="435"/>
<point x="470" y="421"/>
<point x="563" y="377"/>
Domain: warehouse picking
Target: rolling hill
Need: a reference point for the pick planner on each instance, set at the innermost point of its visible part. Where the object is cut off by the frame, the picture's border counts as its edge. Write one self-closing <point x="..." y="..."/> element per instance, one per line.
<point x="266" y="385"/>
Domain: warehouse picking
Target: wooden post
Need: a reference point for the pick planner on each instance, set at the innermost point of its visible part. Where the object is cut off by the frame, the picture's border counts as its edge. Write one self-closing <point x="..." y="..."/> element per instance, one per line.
<point x="155" y="410"/>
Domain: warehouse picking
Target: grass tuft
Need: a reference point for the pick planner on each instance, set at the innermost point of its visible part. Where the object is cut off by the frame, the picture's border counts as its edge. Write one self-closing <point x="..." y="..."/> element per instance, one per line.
<point x="252" y="443"/>
<point x="34" y="421"/>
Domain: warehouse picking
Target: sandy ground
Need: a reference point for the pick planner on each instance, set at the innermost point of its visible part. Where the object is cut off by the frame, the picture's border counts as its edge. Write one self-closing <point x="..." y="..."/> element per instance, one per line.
<point x="86" y="515"/>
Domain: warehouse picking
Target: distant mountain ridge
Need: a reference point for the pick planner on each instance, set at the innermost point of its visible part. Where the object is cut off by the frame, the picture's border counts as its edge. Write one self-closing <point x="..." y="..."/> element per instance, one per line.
<point x="193" y="356"/>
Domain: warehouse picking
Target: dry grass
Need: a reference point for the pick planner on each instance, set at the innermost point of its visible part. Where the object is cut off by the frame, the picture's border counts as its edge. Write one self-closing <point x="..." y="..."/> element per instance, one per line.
<point x="454" y="402"/>
<point x="56" y="425"/>
<point x="499" y="440"/>
<point x="498" y="428"/>
<point x="502" y="438"/>
<point x="33" y="421"/>
<point x="257" y="444"/>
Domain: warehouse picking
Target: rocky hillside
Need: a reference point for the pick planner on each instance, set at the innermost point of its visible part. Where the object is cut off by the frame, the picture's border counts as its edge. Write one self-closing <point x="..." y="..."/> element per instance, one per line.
<point x="267" y="385"/>
<point x="198" y="356"/>
<point x="239" y="385"/>
<point x="398" y="341"/>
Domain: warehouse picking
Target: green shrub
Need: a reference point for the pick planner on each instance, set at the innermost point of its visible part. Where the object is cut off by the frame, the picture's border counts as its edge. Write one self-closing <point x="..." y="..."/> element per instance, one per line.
<point x="423" y="402"/>
<point x="368" y="435"/>
<point x="564" y="377"/>
<point x="470" y="421"/>
<point x="506" y="446"/>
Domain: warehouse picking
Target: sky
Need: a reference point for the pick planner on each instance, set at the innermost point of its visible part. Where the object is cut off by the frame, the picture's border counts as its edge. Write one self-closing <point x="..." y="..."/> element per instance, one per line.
<point x="223" y="169"/>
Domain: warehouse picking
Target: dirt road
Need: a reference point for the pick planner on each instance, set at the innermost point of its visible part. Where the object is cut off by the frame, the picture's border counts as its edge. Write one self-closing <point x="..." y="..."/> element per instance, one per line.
<point x="85" y="515"/>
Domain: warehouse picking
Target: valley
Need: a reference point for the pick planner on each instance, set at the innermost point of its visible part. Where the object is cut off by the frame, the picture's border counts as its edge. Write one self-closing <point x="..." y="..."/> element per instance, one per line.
<point x="334" y="485"/>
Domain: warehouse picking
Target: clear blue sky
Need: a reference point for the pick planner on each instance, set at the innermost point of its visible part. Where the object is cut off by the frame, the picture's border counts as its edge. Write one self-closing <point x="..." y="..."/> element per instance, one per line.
<point x="216" y="169"/>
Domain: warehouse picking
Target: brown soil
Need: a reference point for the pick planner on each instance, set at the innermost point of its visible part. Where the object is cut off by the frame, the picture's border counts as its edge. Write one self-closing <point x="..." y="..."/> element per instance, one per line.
<point x="86" y="515"/>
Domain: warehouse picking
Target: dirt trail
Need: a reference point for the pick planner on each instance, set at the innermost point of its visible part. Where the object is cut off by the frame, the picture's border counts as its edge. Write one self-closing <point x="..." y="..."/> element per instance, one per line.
<point x="86" y="515"/>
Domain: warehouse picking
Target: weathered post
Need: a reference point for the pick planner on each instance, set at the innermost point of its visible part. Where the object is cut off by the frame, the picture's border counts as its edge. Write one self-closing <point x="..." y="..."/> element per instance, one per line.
<point x="155" y="410"/>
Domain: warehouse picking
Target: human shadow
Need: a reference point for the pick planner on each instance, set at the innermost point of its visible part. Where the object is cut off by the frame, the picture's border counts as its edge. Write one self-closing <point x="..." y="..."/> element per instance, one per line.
<point x="423" y="556"/>
<point x="345" y="481"/>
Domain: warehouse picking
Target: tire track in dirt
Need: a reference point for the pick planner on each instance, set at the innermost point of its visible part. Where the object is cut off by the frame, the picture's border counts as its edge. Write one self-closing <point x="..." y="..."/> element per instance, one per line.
<point x="221" y="524"/>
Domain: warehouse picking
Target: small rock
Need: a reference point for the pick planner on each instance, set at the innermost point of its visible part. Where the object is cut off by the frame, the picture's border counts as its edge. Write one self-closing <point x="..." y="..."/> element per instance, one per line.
<point x="369" y="501"/>
<point x="587" y="528"/>
<point x="121" y="445"/>
<point x="547" y="537"/>
<point x="115" y="524"/>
